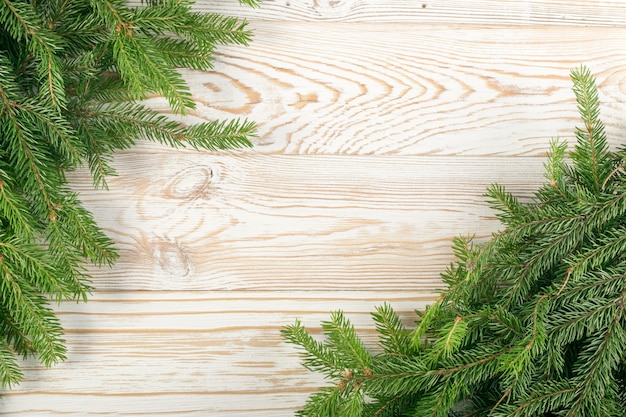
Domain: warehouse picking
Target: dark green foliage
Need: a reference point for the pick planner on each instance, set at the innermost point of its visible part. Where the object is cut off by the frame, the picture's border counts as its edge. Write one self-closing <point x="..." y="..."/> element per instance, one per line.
<point x="71" y="75"/>
<point x="532" y="322"/>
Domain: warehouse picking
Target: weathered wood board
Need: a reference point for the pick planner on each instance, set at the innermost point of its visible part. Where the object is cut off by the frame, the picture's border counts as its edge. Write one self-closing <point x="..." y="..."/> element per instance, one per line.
<point x="247" y="221"/>
<point x="411" y="89"/>
<point x="188" y="353"/>
<point x="381" y="123"/>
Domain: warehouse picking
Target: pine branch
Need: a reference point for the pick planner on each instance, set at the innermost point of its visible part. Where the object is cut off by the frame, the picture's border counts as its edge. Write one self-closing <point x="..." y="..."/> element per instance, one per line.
<point x="30" y="261"/>
<point x="22" y="22"/>
<point x="605" y="350"/>
<point x="10" y="373"/>
<point x="323" y="403"/>
<point x="342" y="338"/>
<point x="531" y="322"/>
<point x="14" y="208"/>
<point x="30" y="312"/>
<point x="70" y="72"/>
<point x="316" y="356"/>
<point x="145" y="71"/>
<point x="591" y="157"/>
<point x="394" y="337"/>
<point x="394" y="376"/>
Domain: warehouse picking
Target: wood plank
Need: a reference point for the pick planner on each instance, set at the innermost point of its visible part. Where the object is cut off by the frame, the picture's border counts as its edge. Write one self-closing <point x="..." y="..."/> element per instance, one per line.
<point x="193" y="220"/>
<point x="473" y="12"/>
<point x="381" y="123"/>
<point x="189" y="353"/>
<point x="405" y="89"/>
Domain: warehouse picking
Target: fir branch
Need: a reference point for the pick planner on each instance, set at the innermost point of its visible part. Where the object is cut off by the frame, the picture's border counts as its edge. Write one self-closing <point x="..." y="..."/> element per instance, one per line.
<point x="394" y="337"/>
<point x="610" y="246"/>
<point x="98" y="152"/>
<point x="557" y="172"/>
<point x="532" y="321"/>
<point x="508" y="208"/>
<point x="553" y="395"/>
<point x="394" y="375"/>
<point x="132" y="120"/>
<point x="342" y="338"/>
<point x="30" y="261"/>
<point x="14" y="209"/>
<point x="10" y="372"/>
<point x="56" y="130"/>
<point x="146" y="71"/>
<point x="252" y="3"/>
<point x="22" y="22"/>
<point x="207" y="30"/>
<point x="604" y="351"/>
<point x="591" y="157"/>
<point x="451" y="336"/>
<point x="326" y="402"/>
<point x="69" y="74"/>
<point x="388" y="407"/>
<point x="316" y="356"/>
<point x="185" y="54"/>
<point x="30" y="312"/>
<point x="440" y="401"/>
<point x="33" y="167"/>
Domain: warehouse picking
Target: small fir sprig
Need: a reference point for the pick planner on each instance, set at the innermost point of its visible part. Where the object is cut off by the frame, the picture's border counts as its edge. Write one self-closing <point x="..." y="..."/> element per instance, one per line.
<point x="72" y="74"/>
<point x="531" y="323"/>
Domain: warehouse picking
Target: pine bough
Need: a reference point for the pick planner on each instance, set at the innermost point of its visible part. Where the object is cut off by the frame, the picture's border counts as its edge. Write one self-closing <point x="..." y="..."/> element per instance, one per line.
<point x="531" y="323"/>
<point x="72" y="74"/>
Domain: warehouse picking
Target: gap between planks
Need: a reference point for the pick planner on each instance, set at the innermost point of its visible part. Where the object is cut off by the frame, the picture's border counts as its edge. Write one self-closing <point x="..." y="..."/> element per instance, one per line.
<point x="401" y="89"/>
<point x="190" y="353"/>
<point x="234" y="221"/>
<point x="469" y="12"/>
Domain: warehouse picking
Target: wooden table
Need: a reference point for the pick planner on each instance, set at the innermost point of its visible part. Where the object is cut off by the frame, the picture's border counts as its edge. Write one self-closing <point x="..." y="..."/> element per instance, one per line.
<point x="381" y="122"/>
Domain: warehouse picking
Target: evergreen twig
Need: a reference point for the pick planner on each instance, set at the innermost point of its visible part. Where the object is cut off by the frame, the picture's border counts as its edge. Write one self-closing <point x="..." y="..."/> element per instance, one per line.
<point x="532" y="322"/>
<point x="71" y="72"/>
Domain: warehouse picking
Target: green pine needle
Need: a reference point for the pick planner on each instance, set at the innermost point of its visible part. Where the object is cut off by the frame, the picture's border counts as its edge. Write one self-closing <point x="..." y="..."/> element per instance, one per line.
<point x="531" y="322"/>
<point x="70" y="75"/>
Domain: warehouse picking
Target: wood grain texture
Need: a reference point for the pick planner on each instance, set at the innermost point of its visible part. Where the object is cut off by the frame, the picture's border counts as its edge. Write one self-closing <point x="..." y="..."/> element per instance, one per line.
<point x="187" y="220"/>
<point x="406" y="89"/>
<point x="189" y="353"/>
<point x="381" y="122"/>
<point x="469" y="12"/>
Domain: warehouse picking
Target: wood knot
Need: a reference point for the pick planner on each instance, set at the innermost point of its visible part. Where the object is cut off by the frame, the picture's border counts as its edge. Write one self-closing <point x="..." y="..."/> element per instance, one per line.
<point x="333" y="8"/>
<point x="173" y="259"/>
<point x="193" y="183"/>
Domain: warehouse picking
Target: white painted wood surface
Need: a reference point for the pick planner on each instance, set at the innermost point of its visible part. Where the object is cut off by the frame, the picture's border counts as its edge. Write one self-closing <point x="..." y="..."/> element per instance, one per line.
<point x="381" y="123"/>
